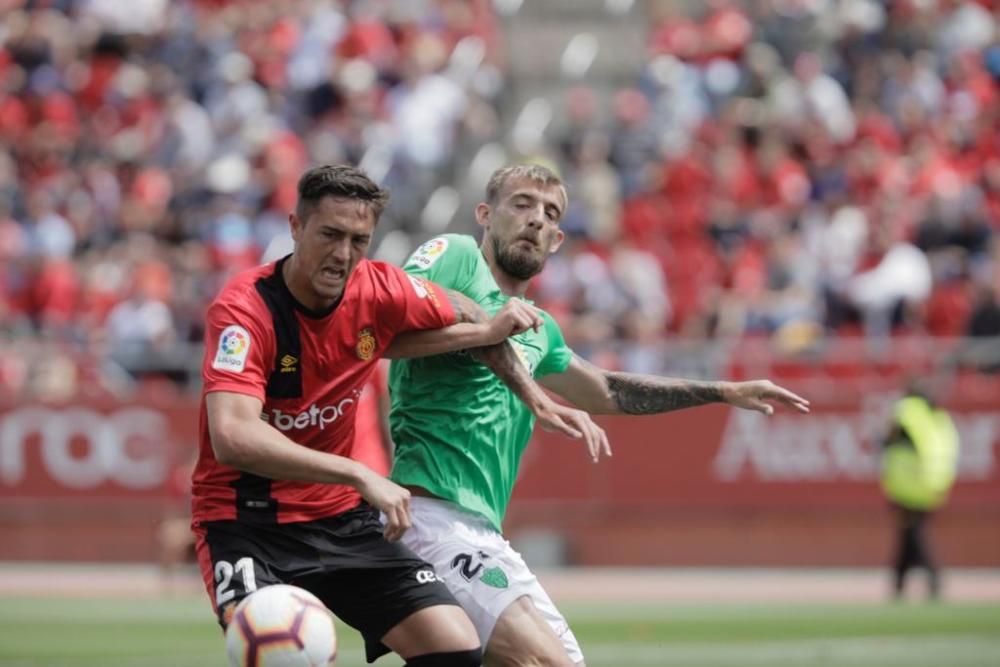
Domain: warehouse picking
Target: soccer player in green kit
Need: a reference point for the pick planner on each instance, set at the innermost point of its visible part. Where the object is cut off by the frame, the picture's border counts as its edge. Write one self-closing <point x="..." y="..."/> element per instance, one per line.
<point x="460" y="433"/>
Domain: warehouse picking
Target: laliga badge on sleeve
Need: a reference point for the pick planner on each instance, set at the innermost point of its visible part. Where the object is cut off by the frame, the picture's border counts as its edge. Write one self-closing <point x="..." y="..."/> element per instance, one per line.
<point x="428" y="253"/>
<point x="234" y="343"/>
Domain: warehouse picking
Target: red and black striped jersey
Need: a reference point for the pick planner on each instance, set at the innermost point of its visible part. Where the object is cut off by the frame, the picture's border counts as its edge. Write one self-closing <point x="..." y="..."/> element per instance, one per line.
<point x="308" y="368"/>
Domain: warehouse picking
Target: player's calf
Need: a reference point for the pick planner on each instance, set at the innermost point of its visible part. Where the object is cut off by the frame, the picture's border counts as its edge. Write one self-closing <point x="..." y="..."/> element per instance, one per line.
<point x="523" y="638"/>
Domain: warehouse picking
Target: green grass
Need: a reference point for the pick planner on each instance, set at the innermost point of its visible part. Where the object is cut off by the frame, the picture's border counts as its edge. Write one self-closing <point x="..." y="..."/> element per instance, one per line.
<point x="180" y="632"/>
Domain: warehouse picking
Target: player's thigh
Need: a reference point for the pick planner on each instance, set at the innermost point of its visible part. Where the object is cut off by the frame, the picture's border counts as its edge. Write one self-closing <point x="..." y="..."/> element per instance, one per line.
<point x="483" y="572"/>
<point x="437" y="629"/>
<point x="522" y="637"/>
<point x="386" y="592"/>
<point x="463" y="560"/>
<point x="403" y="606"/>
<point x="235" y="562"/>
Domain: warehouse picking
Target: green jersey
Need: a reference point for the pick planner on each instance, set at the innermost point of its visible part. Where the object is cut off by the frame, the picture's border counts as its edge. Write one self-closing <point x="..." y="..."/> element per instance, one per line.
<point x="459" y="431"/>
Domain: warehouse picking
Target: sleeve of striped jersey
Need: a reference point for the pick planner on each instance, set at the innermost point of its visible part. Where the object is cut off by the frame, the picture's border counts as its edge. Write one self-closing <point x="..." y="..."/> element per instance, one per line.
<point x="238" y="350"/>
<point x="419" y="303"/>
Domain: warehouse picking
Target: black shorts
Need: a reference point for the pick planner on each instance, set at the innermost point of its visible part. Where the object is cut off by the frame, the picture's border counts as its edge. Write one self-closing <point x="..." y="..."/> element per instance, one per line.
<point x="369" y="583"/>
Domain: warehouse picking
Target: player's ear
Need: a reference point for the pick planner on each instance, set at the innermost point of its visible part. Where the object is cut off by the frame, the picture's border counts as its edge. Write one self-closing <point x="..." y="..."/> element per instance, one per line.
<point x="295" y="226"/>
<point x="483" y="214"/>
<point x="560" y="237"/>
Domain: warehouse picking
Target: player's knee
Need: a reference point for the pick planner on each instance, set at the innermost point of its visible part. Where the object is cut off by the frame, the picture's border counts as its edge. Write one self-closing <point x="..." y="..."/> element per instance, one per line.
<point x="226" y="612"/>
<point x="470" y="658"/>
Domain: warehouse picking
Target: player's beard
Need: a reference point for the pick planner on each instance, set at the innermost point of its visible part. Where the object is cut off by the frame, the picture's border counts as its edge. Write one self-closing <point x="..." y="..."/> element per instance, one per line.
<point x="517" y="263"/>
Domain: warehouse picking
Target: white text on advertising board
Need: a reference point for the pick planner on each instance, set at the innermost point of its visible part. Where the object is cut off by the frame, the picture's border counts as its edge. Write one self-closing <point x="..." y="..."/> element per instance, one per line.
<point x="107" y="456"/>
<point x="834" y="447"/>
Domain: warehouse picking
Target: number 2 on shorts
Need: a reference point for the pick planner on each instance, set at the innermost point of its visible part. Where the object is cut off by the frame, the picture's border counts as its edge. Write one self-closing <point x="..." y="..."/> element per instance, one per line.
<point x="224" y="576"/>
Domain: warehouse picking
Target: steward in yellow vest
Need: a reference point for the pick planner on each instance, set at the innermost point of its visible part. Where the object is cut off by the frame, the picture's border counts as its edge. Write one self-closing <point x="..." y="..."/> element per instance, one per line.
<point x="919" y="464"/>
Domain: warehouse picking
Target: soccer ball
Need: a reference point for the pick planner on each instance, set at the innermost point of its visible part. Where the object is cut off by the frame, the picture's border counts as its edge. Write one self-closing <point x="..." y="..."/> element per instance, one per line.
<point x="281" y="626"/>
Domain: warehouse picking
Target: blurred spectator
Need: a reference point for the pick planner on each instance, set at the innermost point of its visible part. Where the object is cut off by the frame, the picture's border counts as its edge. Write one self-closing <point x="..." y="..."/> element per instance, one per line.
<point x="140" y="322"/>
<point x="985" y="320"/>
<point x="185" y="124"/>
<point x="980" y="351"/>
<point x="841" y="178"/>
<point x="174" y="539"/>
<point x="884" y="293"/>
<point x="830" y="167"/>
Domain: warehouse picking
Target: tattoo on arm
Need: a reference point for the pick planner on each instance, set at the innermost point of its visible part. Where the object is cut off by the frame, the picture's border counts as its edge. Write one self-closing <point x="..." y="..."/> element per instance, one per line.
<point x="636" y="394"/>
<point x="503" y="361"/>
<point x="466" y="310"/>
<point x="499" y="358"/>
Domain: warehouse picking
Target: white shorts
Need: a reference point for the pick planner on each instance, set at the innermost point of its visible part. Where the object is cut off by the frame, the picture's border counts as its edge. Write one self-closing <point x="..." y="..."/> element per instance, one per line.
<point x="479" y="567"/>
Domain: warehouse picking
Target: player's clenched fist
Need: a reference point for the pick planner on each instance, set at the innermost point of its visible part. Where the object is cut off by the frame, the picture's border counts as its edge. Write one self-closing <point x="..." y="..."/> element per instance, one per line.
<point x="390" y="499"/>
<point x="516" y="316"/>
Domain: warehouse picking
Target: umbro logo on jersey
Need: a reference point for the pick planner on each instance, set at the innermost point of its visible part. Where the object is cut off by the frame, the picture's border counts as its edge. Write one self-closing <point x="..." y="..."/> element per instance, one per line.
<point x="366" y="344"/>
<point x="288" y="364"/>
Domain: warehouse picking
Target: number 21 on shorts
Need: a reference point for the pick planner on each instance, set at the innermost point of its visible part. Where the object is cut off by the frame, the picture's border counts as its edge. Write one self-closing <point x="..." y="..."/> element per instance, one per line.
<point x="224" y="572"/>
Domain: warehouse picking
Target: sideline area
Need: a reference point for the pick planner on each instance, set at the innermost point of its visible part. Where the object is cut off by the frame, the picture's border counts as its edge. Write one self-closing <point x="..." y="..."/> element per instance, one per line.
<point x="570" y="585"/>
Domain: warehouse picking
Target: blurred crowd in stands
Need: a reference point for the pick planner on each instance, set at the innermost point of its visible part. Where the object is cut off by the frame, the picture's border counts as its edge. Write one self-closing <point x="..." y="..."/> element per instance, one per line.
<point x="149" y="148"/>
<point x="795" y="170"/>
<point x="779" y="168"/>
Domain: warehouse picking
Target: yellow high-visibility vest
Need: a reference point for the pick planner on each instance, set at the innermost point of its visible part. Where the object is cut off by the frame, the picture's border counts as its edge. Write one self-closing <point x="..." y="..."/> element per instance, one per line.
<point x="920" y="476"/>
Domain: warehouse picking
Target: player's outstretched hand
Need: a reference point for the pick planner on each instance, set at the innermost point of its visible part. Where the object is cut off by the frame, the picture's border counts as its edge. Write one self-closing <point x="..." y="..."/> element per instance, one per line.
<point x="389" y="498"/>
<point x="516" y="316"/>
<point x="576" y="424"/>
<point x="759" y="394"/>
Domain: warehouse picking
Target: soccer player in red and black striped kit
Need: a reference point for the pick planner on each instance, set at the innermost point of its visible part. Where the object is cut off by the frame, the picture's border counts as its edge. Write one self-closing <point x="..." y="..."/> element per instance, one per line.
<point x="278" y="496"/>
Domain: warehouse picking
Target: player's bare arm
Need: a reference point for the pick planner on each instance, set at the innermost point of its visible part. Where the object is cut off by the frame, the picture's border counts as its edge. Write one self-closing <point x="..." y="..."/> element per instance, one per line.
<point x="515" y="317"/>
<point x="474" y="328"/>
<point x="600" y="391"/>
<point x="240" y="439"/>
<point x="486" y="340"/>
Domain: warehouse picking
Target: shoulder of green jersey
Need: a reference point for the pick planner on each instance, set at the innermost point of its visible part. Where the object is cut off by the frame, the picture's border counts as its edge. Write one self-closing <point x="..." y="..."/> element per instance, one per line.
<point x="550" y="322"/>
<point x="430" y="252"/>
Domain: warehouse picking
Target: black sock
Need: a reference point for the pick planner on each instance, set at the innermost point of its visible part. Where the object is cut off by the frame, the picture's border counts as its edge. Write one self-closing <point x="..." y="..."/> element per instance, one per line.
<point x="473" y="658"/>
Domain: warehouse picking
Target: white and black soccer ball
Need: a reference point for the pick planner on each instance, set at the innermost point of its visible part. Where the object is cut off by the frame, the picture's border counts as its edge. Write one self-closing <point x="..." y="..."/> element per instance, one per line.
<point x="281" y="626"/>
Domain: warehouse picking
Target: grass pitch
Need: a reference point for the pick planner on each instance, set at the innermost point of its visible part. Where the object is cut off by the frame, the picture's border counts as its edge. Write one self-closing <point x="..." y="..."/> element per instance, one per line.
<point x="180" y="632"/>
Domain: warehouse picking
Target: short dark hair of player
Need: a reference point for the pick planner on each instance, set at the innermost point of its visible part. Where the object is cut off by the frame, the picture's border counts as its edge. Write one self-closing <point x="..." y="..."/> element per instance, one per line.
<point x="338" y="181"/>
<point x="531" y="172"/>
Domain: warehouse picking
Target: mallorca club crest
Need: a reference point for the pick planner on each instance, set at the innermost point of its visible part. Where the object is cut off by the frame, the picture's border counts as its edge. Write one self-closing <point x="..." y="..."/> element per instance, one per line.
<point x="366" y="344"/>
